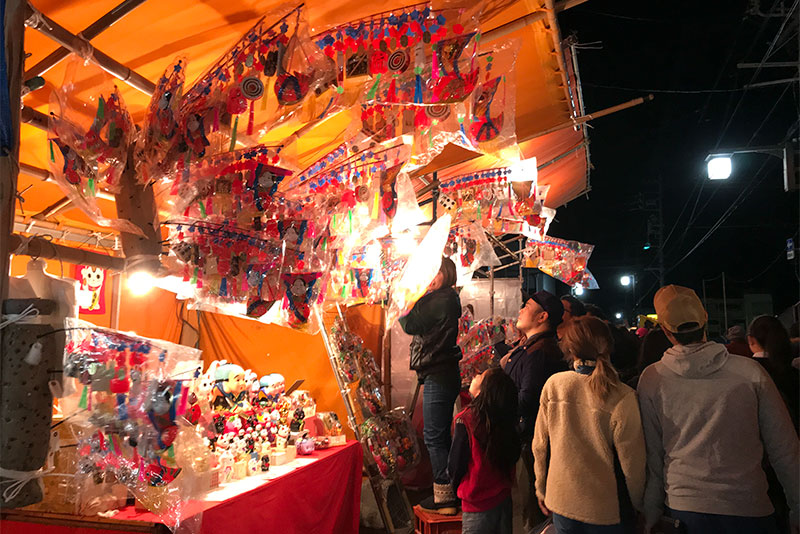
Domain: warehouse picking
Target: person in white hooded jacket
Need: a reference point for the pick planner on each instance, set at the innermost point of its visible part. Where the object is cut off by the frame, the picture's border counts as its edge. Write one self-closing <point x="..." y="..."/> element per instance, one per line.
<point x="708" y="418"/>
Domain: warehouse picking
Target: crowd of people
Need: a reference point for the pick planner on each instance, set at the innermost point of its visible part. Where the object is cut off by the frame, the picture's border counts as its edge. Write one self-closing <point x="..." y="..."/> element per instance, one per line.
<point x="589" y="428"/>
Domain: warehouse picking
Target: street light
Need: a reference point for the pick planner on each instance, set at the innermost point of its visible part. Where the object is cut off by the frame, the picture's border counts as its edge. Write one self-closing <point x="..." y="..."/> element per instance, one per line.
<point x="719" y="162"/>
<point x="618" y="315"/>
<point x="719" y="166"/>
<point x="626" y="280"/>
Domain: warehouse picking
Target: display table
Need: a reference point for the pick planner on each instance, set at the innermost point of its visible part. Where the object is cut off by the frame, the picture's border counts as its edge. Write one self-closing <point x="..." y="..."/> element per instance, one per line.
<point x="320" y="493"/>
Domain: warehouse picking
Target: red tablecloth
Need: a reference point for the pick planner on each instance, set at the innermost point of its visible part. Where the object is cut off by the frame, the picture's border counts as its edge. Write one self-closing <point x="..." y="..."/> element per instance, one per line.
<point x="321" y="497"/>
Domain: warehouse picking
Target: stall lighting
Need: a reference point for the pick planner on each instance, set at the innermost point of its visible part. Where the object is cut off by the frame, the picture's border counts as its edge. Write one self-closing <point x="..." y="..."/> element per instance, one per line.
<point x="140" y="283"/>
<point x="646" y="246"/>
<point x="719" y="167"/>
<point x="626" y="280"/>
<point x="577" y="291"/>
<point x="618" y="315"/>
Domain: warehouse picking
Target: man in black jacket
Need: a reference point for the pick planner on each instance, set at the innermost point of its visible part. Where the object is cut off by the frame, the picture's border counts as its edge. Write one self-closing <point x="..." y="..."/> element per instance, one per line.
<point x="529" y="365"/>
<point x="433" y="321"/>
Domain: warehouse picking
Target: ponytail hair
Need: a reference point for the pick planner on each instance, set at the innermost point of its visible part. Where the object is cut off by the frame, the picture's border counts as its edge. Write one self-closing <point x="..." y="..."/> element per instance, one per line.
<point x="589" y="339"/>
<point x="774" y="339"/>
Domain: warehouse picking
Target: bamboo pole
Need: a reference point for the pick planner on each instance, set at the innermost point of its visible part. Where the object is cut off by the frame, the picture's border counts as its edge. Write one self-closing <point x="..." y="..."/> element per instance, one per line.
<point x="89" y="33"/>
<point x="43" y="248"/>
<point x="41" y="22"/>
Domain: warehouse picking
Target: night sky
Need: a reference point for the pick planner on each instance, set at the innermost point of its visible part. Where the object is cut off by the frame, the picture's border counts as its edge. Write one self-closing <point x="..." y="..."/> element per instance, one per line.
<point x="684" y="46"/>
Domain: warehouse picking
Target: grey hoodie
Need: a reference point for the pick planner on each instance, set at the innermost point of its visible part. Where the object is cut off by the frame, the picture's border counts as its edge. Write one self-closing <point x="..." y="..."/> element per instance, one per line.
<point x="708" y="417"/>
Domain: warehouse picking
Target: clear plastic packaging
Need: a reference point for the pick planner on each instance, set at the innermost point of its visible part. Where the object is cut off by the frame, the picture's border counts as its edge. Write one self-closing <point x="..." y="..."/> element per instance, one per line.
<point x="261" y="82"/>
<point x="158" y="144"/>
<point x="561" y="259"/>
<point x="469" y="248"/>
<point x="391" y="441"/>
<point x="491" y="127"/>
<point x="89" y="142"/>
<point x="419" y="271"/>
<point x="128" y="414"/>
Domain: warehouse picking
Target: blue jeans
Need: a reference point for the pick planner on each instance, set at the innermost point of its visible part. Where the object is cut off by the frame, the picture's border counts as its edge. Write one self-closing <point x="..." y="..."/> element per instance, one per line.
<point x="438" y="398"/>
<point x="494" y="521"/>
<point x="565" y="525"/>
<point x="697" y="523"/>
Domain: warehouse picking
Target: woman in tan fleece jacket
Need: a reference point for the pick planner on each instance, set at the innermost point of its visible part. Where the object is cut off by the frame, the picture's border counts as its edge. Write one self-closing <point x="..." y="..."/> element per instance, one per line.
<point x="587" y="420"/>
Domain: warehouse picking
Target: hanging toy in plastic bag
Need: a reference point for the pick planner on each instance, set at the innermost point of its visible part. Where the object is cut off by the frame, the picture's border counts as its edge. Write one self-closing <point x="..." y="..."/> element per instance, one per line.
<point x="301" y="294"/>
<point x="156" y="151"/>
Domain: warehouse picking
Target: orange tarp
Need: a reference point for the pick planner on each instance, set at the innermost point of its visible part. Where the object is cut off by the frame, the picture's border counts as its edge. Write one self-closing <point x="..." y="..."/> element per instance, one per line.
<point x="153" y="34"/>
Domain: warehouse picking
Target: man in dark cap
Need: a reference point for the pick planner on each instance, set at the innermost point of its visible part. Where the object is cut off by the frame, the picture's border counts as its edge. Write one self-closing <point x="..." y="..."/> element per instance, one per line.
<point x="529" y="365"/>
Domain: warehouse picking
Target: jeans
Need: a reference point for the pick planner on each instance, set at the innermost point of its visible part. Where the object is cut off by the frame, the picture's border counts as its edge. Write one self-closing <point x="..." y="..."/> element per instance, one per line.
<point x="494" y="521"/>
<point x="565" y="525"/>
<point x="438" y="398"/>
<point x="698" y="523"/>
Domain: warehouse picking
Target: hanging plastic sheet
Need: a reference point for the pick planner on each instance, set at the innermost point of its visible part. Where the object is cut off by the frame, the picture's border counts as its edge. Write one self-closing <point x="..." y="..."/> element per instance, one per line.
<point x="89" y="143"/>
<point x="469" y="248"/>
<point x="390" y="439"/>
<point x="419" y="271"/>
<point x="561" y="259"/>
<point x="421" y="63"/>
<point x="262" y="81"/>
<point x="491" y="127"/>
<point x="128" y="413"/>
<point x="159" y="143"/>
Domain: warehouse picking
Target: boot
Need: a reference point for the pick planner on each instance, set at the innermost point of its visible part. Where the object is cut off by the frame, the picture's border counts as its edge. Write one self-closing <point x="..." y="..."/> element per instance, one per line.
<point x="444" y="500"/>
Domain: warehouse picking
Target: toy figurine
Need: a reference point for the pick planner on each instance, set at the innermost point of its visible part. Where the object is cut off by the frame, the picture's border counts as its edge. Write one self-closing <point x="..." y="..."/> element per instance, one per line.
<point x="231" y="387"/>
<point x="305" y="446"/>
<point x="283" y="436"/>
<point x="297" y="421"/>
<point x="265" y="463"/>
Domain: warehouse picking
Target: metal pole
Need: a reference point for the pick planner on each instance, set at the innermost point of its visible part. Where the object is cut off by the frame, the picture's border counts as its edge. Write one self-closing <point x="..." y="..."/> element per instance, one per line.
<point x="724" y="301"/>
<point x="91" y="31"/>
<point x="491" y="291"/>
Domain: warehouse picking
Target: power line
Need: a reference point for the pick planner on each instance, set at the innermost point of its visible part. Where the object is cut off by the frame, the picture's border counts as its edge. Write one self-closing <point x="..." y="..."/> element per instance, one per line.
<point x="741" y="198"/>
<point x="757" y="71"/>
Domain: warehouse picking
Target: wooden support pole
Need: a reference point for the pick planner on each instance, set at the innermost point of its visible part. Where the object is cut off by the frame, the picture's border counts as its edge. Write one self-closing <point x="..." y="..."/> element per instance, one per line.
<point x="40" y="247"/>
<point x="81" y="46"/>
<point x="90" y="32"/>
<point x="13" y="18"/>
<point x="137" y="204"/>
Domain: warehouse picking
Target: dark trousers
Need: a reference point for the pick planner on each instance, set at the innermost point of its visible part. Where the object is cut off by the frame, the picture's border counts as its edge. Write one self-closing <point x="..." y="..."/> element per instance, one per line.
<point x="697" y="523"/>
<point x="565" y="525"/>
<point x="494" y="521"/>
<point x="438" y="398"/>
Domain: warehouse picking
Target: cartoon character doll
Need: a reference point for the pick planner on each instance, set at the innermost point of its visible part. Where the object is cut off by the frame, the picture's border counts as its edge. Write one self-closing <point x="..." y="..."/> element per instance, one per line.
<point x="231" y="388"/>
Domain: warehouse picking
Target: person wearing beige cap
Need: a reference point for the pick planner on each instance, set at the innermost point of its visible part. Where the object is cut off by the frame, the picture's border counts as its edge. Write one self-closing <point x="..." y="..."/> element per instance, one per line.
<point x="708" y="418"/>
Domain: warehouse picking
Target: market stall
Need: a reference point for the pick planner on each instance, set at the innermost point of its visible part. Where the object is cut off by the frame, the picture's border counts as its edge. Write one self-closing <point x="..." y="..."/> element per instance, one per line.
<point x="276" y="199"/>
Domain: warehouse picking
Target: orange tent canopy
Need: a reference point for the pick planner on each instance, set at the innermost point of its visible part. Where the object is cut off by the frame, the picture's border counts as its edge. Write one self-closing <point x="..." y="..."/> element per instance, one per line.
<point x="153" y="34"/>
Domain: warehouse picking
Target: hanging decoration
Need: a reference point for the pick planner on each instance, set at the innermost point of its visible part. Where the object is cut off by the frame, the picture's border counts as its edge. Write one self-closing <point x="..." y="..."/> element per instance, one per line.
<point x="88" y="144"/>
<point x="563" y="260"/>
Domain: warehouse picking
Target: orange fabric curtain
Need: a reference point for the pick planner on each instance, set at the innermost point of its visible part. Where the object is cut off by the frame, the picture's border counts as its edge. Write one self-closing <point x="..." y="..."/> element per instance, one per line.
<point x="267" y="348"/>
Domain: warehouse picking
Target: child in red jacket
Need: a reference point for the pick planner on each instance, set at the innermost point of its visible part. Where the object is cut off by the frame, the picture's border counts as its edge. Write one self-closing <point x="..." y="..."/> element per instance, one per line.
<point x="484" y="453"/>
